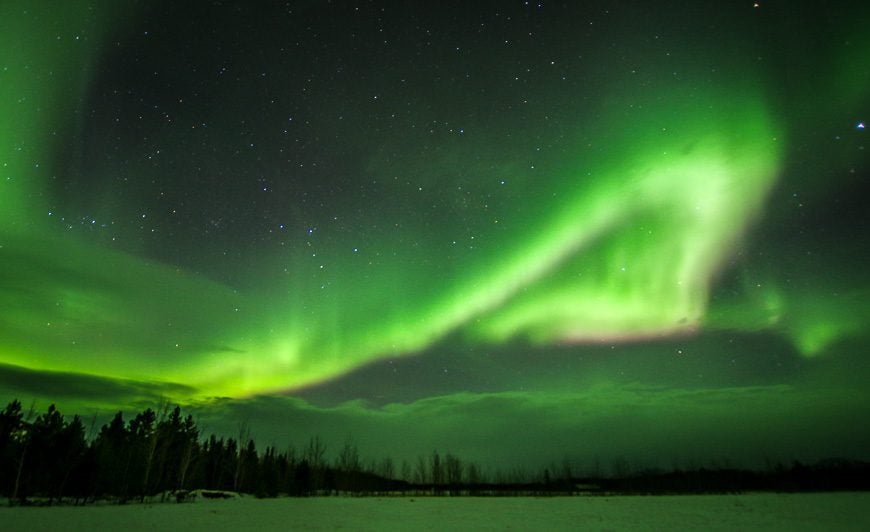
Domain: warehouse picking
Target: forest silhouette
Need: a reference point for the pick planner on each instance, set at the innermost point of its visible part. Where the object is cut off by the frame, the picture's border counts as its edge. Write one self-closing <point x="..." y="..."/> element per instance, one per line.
<point x="47" y="459"/>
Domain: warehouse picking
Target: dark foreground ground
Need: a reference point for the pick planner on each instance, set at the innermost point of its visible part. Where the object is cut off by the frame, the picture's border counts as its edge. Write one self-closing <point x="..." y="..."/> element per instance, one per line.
<point x="753" y="511"/>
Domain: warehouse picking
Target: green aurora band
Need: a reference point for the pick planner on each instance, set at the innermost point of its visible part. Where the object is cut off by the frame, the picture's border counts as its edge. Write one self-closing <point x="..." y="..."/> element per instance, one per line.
<point x="591" y="270"/>
<point x="619" y="239"/>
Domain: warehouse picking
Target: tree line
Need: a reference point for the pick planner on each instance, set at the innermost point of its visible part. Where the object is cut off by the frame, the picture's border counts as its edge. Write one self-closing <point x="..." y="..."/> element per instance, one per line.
<point x="163" y="453"/>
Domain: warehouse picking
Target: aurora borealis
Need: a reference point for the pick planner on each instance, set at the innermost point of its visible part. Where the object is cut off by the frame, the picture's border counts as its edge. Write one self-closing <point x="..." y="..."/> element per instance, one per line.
<point x="417" y="219"/>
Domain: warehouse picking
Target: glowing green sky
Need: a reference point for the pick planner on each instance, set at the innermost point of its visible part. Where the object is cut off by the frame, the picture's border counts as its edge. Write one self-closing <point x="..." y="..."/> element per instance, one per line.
<point x="280" y="200"/>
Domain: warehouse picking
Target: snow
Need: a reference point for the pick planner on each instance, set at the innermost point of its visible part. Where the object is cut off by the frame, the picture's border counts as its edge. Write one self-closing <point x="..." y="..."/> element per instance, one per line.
<point x="761" y="511"/>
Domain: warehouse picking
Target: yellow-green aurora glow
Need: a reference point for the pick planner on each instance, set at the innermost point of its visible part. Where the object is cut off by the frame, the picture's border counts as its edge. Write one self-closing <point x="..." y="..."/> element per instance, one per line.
<point x="613" y="226"/>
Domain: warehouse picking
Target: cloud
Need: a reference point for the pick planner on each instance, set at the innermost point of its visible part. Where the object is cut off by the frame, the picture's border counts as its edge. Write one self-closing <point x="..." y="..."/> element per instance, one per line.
<point x="641" y="424"/>
<point x="647" y="425"/>
<point x="78" y="392"/>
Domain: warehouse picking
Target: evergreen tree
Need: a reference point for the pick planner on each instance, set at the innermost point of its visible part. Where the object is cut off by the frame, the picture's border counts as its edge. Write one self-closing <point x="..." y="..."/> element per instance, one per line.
<point x="271" y="473"/>
<point x="249" y="478"/>
<point x="112" y="452"/>
<point x="43" y="462"/>
<point x="212" y="462"/>
<point x="74" y="479"/>
<point x="229" y="465"/>
<point x="143" y="442"/>
<point x="11" y="445"/>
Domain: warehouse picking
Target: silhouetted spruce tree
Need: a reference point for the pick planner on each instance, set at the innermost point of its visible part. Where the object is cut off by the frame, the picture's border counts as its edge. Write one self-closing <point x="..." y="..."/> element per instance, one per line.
<point x="52" y="452"/>
<point x="190" y="452"/>
<point x="12" y="436"/>
<point x="288" y="478"/>
<point x="143" y="441"/>
<point x="244" y="438"/>
<point x="112" y="450"/>
<point x="249" y="477"/>
<point x="72" y="478"/>
<point x="302" y="481"/>
<point x="42" y="460"/>
<point x="176" y="448"/>
<point x="13" y="448"/>
<point x="229" y="465"/>
<point x="271" y="474"/>
<point x="212" y="463"/>
<point x="165" y="461"/>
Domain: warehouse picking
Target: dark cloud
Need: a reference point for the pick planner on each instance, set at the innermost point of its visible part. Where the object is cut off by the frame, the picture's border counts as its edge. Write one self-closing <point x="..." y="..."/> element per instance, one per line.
<point x="717" y="358"/>
<point x="77" y="389"/>
<point x="646" y="425"/>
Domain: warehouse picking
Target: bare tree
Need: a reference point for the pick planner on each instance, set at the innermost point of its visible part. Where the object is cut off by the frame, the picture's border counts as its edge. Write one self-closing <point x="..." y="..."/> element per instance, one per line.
<point x="315" y="458"/>
<point x="348" y="457"/>
<point x="453" y="472"/>
<point x="244" y="438"/>
<point x="437" y="469"/>
<point x="31" y="413"/>
<point x="315" y="452"/>
<point x="421" y="472"/>
<point x="386" y="468"/>
<point x="407" y="475"/>
<point x="473" y="474"/>
<point x="567" y="470"/>
<point x="620" y="467"/>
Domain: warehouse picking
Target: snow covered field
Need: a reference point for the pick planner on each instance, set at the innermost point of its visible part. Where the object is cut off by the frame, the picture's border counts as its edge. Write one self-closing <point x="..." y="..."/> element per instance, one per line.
<point x="764" y="511"/>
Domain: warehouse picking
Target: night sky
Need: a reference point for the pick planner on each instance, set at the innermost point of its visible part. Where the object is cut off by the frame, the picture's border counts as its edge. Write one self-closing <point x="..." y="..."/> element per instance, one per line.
<point x="514" y="231"/>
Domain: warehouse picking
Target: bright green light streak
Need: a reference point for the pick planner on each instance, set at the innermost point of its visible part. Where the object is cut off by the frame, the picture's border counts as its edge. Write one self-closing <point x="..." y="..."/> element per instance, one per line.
<point x="653" y="278"/>
<point x="631" y="257"/>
